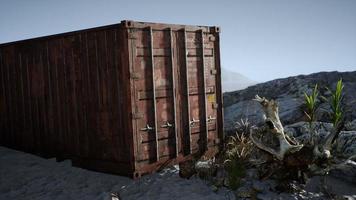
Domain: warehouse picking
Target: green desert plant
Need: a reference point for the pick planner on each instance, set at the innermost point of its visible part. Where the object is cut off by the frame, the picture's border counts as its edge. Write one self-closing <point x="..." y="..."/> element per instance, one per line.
<point x="335" y="102"/>
<point x="311" y="104"/>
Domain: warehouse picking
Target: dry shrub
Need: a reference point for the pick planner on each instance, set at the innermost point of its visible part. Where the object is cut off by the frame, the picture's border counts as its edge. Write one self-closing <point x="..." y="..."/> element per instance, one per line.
<point x="237" y="153"/>
<point x="239" y="148"/>
<point x="243" y="127"/>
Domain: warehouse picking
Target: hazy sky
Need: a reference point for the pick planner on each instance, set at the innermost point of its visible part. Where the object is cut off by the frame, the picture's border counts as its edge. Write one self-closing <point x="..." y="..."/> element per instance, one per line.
<point x="262" y="39"/>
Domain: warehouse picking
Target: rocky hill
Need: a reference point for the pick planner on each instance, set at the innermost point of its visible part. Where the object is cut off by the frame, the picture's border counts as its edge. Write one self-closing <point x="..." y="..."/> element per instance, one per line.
<point x="289" y="92"/>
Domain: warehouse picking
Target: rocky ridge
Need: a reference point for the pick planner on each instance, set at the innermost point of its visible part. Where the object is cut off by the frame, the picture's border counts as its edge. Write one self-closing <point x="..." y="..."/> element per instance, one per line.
<point x="289" y="92"/>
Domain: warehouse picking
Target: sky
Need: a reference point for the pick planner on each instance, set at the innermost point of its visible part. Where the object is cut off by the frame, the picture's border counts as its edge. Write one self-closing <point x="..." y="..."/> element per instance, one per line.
<point x="260" y="39"/>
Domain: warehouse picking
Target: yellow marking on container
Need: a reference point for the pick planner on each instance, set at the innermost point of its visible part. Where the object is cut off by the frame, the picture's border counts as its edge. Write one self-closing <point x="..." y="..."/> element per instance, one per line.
<point x="211" y="98"/>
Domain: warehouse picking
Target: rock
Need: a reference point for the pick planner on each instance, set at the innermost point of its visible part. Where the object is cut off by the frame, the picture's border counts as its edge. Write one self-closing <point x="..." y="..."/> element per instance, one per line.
<point x="214" y="188"/>
<point x="351" y="126"/>
<point x="105" y="196"/>
<point x="259" y="186"/>
<point x="186" y="169"/>
<point x="289" y="93"/>
<point x="289" y="187"/>
<point x="267" y="196"/>
<point x="220" y="177"/>
<point x="205" y="169"/>
<point x="114" y="196"/>
<point x="296" y="195"/>
<point x="252" y="173"/>
<point x="345" y="144"/>
<point x="245" y="191"/>
<point x="218" y="182"/>
<point x="314" y="184"/>
<point x="263" y="186"/>
<point x="348" y="197"/>
<point x="251" y="110"/>
<point x="228" y="194"/>
<point x="333" y="185"/>
<point x="221" y="172"/>
<point x="226" y="182"/>
<point x="301" y="130"/>
<point x="288" y="196"/>
<point x="345" y="171"/>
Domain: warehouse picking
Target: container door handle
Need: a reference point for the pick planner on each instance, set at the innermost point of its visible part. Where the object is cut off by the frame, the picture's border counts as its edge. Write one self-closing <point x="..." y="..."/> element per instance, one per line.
<point x="210" y="118"/>
<point x="147" y="128"/>
<point x="167" y="125"/>
<point x="193" y="121"/>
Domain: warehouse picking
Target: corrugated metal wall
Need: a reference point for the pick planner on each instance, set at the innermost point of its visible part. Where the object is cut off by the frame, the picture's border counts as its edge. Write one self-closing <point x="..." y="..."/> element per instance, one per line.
<point x="62" y="95"/>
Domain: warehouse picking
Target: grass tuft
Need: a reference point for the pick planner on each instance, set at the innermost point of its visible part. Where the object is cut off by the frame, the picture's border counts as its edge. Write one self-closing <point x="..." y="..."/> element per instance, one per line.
<point x="237" y="154"/>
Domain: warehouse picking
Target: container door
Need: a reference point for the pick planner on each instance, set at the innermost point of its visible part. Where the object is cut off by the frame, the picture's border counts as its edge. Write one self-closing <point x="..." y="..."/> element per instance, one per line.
<point x="201" y="99"/>
<point x="154" y="75"/>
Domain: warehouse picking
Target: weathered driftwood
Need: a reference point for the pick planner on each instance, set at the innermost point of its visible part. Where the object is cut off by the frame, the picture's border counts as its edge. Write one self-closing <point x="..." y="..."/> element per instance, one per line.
<point x="275" y="126"/>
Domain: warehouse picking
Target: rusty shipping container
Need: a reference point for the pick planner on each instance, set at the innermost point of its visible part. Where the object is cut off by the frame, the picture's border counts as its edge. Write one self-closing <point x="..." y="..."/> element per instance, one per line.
<point x="127" y="98"/>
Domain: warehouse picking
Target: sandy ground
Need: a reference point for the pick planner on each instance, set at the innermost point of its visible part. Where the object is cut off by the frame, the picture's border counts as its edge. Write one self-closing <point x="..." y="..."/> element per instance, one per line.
<point x="25" y="176"/>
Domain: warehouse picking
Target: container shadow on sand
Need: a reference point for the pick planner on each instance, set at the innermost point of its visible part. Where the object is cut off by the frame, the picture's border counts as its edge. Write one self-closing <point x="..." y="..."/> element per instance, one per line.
<point x="25" y="176"/>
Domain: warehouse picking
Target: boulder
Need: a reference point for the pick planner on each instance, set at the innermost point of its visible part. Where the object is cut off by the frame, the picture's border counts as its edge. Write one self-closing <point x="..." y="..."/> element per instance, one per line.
<point x="334" y="186"/>
<point x="264" y="186"/>
<point x="245" y="191"/>
<point x="301" y="130"/>
<point x="345" y="171"/>
<point x="345" y="144"/>
<point x="187" y="169"/>
<point x="205" y="169"/>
